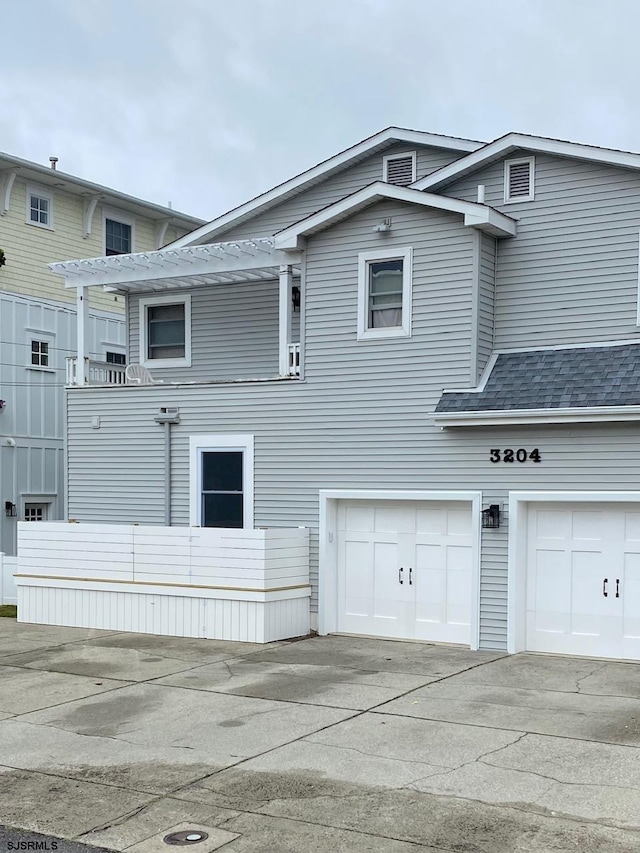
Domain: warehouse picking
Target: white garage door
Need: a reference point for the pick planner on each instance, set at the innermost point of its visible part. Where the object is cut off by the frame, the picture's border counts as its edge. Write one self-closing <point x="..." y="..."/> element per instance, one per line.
<point x="583" y="579"/>
<point x="404" y="570"/>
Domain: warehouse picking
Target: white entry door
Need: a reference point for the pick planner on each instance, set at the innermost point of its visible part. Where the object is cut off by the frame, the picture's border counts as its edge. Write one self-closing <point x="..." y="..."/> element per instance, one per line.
<point x="404" y="570"/>
<point x="583" y="579"/>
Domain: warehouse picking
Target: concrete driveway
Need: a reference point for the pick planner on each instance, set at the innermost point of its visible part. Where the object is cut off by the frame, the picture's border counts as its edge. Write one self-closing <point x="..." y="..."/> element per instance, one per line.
<point x="315" y="746"/>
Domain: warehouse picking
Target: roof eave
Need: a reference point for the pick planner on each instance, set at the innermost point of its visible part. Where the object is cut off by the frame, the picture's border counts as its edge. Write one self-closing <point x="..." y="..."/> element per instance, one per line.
<point x="506" y="145"/>
<point x="475" y="215"/>
<point x="515" y="417"/>
<point x="323" y="170"/>
<point x="50" y="176"/>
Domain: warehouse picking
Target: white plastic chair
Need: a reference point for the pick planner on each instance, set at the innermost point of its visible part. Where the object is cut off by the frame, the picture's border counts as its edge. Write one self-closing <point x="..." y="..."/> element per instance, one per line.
<point x="136" y="374"/>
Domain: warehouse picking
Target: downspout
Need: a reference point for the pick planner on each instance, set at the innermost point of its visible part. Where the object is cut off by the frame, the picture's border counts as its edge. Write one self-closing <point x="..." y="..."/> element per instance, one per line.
<point x="167" y="415"/>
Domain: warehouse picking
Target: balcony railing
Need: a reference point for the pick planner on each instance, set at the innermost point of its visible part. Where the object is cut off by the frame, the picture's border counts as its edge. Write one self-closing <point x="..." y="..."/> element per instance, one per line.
<point x="294" y="359"/>
<point x="96" y="372"/>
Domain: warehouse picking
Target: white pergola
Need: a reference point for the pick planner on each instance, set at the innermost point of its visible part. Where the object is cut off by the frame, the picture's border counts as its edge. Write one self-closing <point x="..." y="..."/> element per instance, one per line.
<point x="180" y="268"/>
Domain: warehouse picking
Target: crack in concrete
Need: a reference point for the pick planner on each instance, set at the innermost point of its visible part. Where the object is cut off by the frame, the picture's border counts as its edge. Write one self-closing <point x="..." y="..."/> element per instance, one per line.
<point x="588" y="675"/>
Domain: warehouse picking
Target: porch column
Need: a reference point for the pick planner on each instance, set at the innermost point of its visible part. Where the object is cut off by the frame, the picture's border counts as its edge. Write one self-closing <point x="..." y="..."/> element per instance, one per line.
<point x="286" y="279"/>
<point x="82" y="311"/>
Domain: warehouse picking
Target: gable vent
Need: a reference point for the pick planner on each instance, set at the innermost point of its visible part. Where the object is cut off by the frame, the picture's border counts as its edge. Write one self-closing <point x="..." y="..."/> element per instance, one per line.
<point x="519" y="180"/>
<point x="400" y="169"/>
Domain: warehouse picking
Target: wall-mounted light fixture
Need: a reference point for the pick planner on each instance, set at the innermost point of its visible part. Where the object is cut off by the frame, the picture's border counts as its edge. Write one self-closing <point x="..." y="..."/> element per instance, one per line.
<point x="383" y="227"/>
<point x="295" y="297"/>
<point x="491" y="517"/>
<point x="10" y="509"/>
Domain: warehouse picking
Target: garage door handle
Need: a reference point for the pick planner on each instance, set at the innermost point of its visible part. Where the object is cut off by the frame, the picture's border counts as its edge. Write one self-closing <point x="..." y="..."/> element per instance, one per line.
<point x="617" y="587"/>
<point x="604" y="587"/>
<point x="400" y="571"/>
<point x="410" y="576"/>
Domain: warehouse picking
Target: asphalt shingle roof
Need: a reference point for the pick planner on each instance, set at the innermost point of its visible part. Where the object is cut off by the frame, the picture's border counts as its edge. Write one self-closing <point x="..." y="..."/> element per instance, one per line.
<point x="555" y="379"/>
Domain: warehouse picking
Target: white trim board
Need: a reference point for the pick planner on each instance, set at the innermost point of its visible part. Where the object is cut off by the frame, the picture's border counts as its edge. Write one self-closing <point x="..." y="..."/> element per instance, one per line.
<point x="505" y="145"/>
<point x="509" y="417"/>
<point x="517" y="550"/>
<point x="328" y="563"/>
<point x="320" y="172"/>
<point x="475" y="215"/>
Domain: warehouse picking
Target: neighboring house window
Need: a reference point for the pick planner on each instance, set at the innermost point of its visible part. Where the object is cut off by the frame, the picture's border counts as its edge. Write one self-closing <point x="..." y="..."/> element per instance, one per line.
<point x="115" y="357"/>
<point x="39" y="208"/>
<point x="519" y="180"/>
<point x="165" y="333"/>
<point x="399" y="169"/>
<point x="40" y="353"/>
<point x="117" y="237"/>
<point x="35" y="512"/>
<point x="384" y="293"/>
<point x="221" y="473"/>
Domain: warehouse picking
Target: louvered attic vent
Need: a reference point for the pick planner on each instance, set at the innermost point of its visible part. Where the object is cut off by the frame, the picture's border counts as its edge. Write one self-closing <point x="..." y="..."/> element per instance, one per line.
<point x="519" y="180"/>
<point x="400" y="169"/>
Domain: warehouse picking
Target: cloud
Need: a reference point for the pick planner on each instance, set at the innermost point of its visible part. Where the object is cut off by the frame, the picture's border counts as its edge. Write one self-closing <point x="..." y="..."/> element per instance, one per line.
<point x="209" y="102"/>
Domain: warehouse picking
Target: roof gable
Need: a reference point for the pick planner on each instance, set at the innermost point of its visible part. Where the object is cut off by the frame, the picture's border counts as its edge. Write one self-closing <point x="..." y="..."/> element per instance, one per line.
<point x="321" y="172"/>
<point x="506" y="145"/>
<point x="475" y="215"/>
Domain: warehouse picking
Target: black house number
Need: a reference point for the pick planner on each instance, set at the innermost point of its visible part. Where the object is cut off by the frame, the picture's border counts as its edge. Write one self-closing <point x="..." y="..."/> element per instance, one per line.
<point x="520" y="455"/>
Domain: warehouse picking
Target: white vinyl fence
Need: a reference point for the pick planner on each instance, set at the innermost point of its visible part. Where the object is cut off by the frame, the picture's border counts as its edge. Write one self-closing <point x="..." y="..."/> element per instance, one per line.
<point x="8" y="592"/>
<point x="250" y="585"/>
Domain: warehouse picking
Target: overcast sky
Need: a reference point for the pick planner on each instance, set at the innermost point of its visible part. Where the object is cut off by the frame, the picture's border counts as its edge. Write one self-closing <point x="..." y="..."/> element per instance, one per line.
<point x="209" y="102"/>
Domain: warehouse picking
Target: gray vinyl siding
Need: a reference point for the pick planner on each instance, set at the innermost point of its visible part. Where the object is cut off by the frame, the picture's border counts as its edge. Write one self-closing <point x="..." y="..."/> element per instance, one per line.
<point x="334" y="188"/>
<point x="571" y="274"/>
<point x="234" y="332"/>
<point x="486" y="299"/>
<point x="360" y="418"/>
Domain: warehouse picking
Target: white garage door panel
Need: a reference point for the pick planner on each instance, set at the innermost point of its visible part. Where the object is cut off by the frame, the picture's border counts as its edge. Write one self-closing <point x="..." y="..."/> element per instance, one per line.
<point x="404" y="570"/>
<point x="576" y="552"/>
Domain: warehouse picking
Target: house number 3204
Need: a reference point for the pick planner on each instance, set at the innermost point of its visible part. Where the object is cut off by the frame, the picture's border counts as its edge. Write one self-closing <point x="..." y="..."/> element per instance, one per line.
<point x="520" y="455"/>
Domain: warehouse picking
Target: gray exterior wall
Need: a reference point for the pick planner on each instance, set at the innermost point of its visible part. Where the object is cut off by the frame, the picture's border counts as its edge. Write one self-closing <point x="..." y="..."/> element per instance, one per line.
<point x="361" y="417"/>
<point x="33" y="416"/>
<point x="336" y="187"/>
<point x="486" y="299"/>
<point x="234" y="332"/>
<point x="571" y="274"/>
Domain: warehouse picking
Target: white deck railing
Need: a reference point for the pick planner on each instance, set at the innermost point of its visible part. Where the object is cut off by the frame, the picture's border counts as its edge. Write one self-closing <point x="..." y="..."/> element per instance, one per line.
<point x="96" y="372"/>
<point x="250" y="585"/>
<point x="294" y="359"/>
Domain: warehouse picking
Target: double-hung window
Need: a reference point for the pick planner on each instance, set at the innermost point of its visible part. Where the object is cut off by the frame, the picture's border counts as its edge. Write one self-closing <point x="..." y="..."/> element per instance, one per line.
<point x="165" y="331"/>
<point x="117" y="237"/>
<point x="221" y="474"/>
<point x="118" y="232"/>
<point x="384" y="293"/>
<point x="39" y="207"/>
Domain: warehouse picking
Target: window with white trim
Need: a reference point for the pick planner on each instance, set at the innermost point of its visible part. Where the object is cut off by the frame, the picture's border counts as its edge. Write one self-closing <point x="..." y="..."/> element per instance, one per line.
<point x="519" y="180"/>
<point x="400" y="169"/>
<point x="165" y="331"/>
<point x="35" y="512"/>
<point x="115" y="357"/>
<point x="221" y="477"/>
<point x="384" y="293"/>
<point x="39" y="207"/>
<point x="40" y="353"/>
